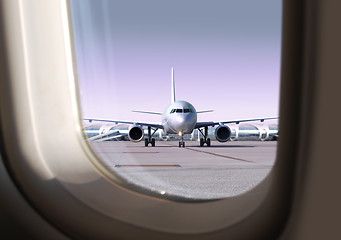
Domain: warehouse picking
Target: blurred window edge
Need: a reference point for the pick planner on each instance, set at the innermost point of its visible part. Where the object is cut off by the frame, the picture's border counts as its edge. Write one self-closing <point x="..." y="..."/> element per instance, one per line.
<point x="54" y="168"/>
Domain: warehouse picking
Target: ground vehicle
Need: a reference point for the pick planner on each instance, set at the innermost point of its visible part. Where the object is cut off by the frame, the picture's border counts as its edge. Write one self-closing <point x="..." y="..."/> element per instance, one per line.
<point x="308" y="207"/>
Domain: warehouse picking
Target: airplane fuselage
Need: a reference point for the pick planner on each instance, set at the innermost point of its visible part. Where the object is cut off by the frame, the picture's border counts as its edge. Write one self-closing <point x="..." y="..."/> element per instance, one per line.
<point x="179" y="118"/>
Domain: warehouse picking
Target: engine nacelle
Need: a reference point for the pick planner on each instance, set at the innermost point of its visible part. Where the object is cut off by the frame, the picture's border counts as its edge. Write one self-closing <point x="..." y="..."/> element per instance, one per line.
<point x="222" y="133"/>
<point x="135" y="133"/>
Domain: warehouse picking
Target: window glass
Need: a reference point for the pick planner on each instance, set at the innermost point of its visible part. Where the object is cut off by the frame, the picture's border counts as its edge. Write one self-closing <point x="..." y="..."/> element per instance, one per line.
<point x="225" y="56"/>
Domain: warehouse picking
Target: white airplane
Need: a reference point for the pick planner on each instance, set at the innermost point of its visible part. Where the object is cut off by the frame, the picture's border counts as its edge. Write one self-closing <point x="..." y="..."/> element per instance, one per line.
<point x="180" y="117"/>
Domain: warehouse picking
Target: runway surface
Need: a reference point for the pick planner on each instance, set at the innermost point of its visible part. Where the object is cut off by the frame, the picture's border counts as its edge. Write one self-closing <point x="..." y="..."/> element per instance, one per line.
<point x="222" y="170"/>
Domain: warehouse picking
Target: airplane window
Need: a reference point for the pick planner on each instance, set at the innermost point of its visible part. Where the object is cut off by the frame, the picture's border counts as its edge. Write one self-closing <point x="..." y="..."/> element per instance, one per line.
<point x="225" y="55"/>
<point x="186" y="57"/>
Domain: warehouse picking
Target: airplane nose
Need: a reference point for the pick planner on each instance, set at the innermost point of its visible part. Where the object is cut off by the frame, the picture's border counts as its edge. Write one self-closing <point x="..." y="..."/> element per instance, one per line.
<point x="184" y="123"/>
<point x="182" y="119"/>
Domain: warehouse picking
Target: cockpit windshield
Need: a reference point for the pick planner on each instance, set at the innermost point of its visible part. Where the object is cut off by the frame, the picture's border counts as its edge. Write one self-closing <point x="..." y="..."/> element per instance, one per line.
<point x="179" y="110"/>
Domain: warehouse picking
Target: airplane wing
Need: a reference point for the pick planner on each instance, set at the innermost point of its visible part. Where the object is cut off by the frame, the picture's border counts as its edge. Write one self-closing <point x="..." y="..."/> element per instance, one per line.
<point x="153" y="125"/>
<point x="112" y="134"/>
<point x="212" y="124"/>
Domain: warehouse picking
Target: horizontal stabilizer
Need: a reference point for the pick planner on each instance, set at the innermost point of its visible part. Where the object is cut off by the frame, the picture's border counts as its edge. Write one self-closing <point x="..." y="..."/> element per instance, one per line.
<point x="205" y="111"/>
<point x="156" y="113"/>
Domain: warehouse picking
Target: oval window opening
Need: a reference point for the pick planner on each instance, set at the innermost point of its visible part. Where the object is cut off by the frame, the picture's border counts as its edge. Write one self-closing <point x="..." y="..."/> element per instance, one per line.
<point x="181" y="99"/>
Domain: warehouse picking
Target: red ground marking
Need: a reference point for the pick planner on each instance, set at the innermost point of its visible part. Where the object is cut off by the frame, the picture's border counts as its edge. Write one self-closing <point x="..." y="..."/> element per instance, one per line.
<point x="143" y="165"/>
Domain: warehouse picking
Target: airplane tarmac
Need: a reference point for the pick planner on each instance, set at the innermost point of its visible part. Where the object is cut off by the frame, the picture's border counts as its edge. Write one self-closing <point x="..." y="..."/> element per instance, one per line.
<point x="180" y="117"/>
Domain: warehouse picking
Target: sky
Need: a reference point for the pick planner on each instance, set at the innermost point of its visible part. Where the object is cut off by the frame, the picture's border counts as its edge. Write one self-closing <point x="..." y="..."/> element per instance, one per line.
<point x="225" y="54"/>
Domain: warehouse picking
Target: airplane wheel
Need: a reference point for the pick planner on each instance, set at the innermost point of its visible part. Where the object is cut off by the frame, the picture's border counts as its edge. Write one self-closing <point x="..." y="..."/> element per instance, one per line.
<point x="179" y="144"/>
<point x="146" y="142"/>
<point x="183" y="144"/>
<point x="153" y="142"/>
<point x="201" y="142"/>
<point x="208" y="142"/>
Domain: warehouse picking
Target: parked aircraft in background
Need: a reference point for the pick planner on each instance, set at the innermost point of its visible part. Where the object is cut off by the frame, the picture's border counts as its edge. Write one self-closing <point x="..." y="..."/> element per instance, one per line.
<point x="180" y="117"/>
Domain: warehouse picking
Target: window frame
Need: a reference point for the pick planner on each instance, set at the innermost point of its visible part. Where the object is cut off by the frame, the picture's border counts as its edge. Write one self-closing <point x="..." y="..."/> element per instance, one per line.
<point x="75" y="183"/>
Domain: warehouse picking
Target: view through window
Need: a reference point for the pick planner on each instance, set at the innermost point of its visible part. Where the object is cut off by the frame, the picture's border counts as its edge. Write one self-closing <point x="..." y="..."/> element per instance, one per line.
<point x="168" y="88"/>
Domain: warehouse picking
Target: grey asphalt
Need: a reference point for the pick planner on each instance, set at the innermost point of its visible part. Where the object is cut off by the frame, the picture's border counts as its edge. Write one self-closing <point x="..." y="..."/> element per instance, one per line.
<point x="222" y="170"/>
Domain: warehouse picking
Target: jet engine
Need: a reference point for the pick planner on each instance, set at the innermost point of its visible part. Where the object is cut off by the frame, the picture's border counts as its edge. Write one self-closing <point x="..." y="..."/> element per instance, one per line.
<point x="222" y="133"/>
<point x="135" y="133"/>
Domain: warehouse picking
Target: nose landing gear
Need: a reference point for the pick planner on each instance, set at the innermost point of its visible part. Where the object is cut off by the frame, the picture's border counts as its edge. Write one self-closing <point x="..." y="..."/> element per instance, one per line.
<point x="182" y="142"/>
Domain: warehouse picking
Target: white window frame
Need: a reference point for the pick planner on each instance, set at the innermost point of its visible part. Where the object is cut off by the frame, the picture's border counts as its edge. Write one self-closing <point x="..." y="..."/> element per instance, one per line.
<point x="60" y="175"/>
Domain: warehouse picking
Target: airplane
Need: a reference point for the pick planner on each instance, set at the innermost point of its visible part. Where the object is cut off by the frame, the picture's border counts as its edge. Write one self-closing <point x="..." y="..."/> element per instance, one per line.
<point x="180" y="117"/>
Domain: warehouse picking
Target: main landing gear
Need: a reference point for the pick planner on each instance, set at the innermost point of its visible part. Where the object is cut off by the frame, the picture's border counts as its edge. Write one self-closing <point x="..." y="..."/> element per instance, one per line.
<point x="205" y="139"/>
<point x="150" y="139"/>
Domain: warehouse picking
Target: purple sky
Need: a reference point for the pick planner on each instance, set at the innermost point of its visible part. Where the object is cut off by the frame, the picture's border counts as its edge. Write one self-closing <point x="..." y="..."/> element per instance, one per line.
<point x="226" y="56"/>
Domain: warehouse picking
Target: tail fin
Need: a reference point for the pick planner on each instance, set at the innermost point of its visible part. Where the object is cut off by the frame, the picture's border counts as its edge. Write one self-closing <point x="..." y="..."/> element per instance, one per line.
<point x="173" y="87"/>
